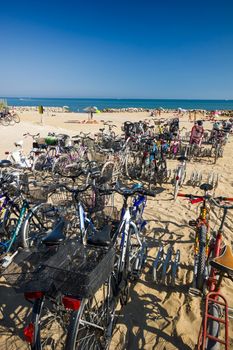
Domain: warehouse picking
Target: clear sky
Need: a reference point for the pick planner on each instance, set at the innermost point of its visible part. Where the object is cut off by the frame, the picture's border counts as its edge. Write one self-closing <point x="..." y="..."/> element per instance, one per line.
<point x="117" y="48"/>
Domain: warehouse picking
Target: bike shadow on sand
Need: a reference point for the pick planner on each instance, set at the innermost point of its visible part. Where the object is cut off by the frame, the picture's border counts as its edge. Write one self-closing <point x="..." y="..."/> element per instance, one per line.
<point x="13" y="310"/>
<point x="163" y="235"/>
<point x="146" y="324"/>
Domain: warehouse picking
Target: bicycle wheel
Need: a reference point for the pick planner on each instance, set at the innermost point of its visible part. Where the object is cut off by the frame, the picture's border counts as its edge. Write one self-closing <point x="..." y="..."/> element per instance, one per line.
<point x="38" y="222"/>
<point x="137" y="253"/>
<point x="10" y="218"/>
<point x="201" y="262"/>
<point x="177" y="183"/>
<point x="41" y="163"/>
<point x="5" y="121"/>
<point x="49" y="322"/>
<point x="92" y="325"/>
<point x="16" y="118"/>
<point x="65" y="166"/>
<point x="11" y="119"/>
<point x="213" y="327"/>
<point x="108" y="173"/>
<point x="133" y="165"/>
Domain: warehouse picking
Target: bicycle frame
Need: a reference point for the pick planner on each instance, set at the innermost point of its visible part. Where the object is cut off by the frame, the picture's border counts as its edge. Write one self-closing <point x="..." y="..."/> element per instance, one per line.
<point x="8" y="244"/>
<point x="202" y="220"/>
<point x="212" y="283"/>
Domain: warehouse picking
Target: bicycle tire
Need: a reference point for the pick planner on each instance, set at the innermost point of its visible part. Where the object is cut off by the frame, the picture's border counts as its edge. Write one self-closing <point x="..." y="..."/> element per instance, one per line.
<point x="177" y="183"/>
<point x="59" y="166"/>
<point x="50" y="321"/>
<point x="213" y="327"/>
<point x="135" y="168"/>
<point x="12" y="210"/>
<point x="107" y="172"/>
<point x="11" y="119"/>
<point x="201" y="263"/>
<point x="16" y="118"/>
<point x="33" y="229"/>
<point x="39" y="163"/>
<point x="91" y="326"/>
<point x="5" y="121"/>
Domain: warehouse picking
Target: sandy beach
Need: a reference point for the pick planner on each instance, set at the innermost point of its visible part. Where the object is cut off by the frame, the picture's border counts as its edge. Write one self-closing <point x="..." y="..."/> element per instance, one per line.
<point x="157" y="317"/>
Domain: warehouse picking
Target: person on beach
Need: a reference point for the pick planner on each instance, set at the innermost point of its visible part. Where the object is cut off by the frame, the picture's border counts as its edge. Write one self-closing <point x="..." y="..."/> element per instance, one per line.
<point x="195" y="116"/>
<point x="190" y="116"/>
<point x="197" y="133"/>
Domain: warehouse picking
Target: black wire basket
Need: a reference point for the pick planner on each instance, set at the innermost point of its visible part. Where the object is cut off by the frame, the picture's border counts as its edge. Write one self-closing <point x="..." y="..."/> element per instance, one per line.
<point x="72" y="269"/>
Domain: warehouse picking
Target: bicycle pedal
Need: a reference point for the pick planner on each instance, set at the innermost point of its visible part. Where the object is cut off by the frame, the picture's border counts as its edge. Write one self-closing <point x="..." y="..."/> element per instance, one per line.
<point x="194" y="292"/>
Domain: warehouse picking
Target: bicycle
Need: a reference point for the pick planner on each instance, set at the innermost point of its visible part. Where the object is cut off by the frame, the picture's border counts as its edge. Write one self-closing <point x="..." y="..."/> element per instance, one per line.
<point x="202" y="237"/>
<point x="79" y="330"/>
<point x="180" y="174"/>
<point x="220" y="260"/>
<point x="17" y="212"/>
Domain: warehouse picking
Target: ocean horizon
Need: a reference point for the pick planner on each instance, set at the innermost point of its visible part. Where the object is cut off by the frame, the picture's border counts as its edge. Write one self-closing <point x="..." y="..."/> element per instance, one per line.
<point x="78" y="104"/>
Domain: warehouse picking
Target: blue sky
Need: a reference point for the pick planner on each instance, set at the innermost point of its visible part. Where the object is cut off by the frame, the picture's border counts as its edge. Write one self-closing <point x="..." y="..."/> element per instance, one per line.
<point x="117" y="49"/>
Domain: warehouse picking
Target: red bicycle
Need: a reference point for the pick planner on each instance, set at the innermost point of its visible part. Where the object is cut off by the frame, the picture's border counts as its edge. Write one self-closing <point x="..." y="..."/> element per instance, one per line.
<point x="216" y="307"/>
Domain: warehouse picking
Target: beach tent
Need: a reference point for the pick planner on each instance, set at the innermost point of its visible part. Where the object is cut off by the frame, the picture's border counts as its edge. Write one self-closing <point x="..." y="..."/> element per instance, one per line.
<point x="66" y="108"/>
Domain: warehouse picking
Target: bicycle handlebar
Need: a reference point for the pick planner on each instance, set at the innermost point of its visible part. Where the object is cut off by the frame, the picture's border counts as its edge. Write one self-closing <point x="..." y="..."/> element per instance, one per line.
<point x="208" y="197"/>
<point x="221" y="199"/>
<point x="127" y="191"/>
<point x="33" y="136"/>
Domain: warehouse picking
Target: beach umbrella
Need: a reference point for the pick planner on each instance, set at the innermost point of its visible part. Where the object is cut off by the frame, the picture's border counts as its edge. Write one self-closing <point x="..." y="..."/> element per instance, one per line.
<point x="92" y="109"/>
<point x="66" y="108"/>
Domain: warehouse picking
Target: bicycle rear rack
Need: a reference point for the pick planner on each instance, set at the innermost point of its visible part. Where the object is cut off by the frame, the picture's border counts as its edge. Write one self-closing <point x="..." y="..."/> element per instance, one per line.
<point x="166" y="265"/>
<point x="213" y="298"/>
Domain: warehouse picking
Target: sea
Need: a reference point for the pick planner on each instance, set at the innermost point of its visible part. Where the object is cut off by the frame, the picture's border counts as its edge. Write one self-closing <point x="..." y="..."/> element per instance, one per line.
<point x="78" y="104"/>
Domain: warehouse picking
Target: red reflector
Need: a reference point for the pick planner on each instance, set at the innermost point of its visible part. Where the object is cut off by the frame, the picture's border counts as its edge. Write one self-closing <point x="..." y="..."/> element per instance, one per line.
<point x="33" y="295"/>
<point x="7" y="152"/>
<point x="37" y="153"/>
<point x="71" y="303"/>
<point x="177" y="177"/>
<point x="29" y="333"/>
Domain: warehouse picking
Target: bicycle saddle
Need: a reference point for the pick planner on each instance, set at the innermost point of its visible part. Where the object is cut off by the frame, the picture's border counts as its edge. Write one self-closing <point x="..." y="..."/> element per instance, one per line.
<point x="101" y="237"/>
<point x="56" y="236"/>
<point x="5" y="163"/>
<point x="206" y="187"/>
<point x="182" y="158"/>
<point x="19" y="143"/>
<point x="224" y="262"/>
<point x="102" y="129"/>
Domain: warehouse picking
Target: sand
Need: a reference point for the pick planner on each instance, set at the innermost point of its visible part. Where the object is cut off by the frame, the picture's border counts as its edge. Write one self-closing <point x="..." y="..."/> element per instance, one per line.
<point x="157" y="316"/>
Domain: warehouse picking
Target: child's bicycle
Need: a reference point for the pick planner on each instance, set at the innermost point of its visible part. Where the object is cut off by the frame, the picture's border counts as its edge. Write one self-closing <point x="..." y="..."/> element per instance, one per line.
<point x="216" y="306"/>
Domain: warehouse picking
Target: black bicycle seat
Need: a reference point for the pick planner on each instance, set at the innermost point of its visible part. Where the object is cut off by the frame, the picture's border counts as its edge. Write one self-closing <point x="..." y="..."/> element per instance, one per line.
<point x="5" y="163"/>
<point x="206" y="187"/>
<point x="102" y="129"/>
<point x="182" y="158"/>
<point x="101" y="237"/>
<point x="56" y="236"/>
